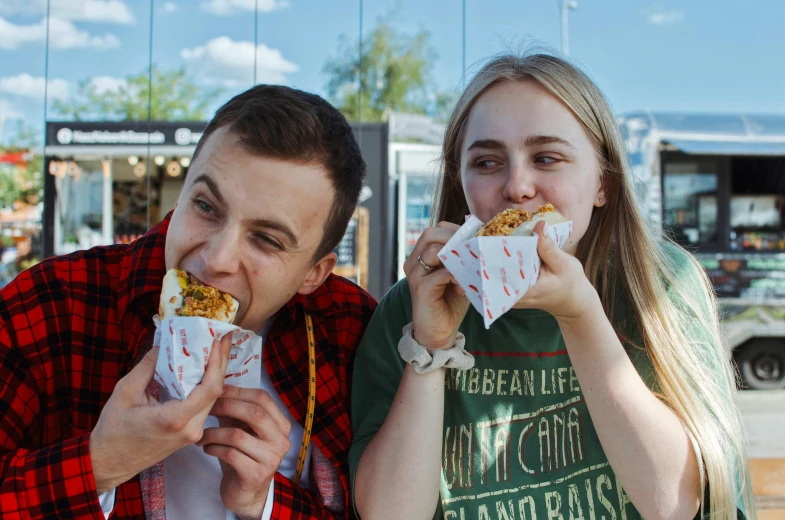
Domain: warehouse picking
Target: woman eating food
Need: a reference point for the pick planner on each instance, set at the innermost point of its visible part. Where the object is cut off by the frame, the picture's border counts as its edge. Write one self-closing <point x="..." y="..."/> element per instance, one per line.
<point x="605" y="392"/>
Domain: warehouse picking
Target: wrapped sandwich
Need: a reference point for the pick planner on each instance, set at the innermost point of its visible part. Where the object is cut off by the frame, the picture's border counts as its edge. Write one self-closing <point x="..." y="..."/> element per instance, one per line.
<point x="190" y="315"/>
<point x="517" y="223"/>
<point x="496" y="262"/>
<point x="184" y="295"/>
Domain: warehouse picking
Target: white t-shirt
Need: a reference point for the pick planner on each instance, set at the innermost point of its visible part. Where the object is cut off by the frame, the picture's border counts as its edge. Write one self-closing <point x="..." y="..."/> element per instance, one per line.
<point x="192" y="479"/>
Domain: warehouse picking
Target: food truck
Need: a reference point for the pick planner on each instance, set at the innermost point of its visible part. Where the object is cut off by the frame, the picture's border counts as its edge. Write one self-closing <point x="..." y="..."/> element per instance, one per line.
<point x="715" y="183"/>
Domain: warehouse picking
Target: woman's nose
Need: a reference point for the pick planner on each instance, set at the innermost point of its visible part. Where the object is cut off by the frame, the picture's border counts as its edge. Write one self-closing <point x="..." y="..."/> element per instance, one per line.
<point x="520" y="184"/>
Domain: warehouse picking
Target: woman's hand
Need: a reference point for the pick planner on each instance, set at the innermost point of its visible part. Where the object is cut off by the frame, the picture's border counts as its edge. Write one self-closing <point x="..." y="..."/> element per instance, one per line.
<point x="562" y="288"/>
<point x="438" y="302"/>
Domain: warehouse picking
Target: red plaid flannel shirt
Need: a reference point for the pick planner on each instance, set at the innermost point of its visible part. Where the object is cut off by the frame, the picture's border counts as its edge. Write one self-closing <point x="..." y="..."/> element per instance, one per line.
<point x="72" y="326"/>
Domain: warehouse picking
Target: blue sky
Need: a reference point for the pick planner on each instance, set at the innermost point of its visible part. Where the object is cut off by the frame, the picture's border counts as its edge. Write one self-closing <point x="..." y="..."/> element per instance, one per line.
<point x="700" y="56"/>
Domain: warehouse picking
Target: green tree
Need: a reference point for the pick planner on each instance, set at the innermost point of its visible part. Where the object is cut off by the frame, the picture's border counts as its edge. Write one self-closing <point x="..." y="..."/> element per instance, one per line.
<point x="395" y="71"/>
<point x="24" y="184"/>
<point x="175" y="97"/>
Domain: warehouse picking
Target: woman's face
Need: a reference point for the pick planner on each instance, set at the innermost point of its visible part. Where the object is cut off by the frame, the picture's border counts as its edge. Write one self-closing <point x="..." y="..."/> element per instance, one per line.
<point x="522" y="149"/>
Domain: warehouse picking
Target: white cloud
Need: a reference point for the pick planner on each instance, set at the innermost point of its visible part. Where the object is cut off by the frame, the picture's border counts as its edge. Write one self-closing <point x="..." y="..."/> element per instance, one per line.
<point x="25" y="85"/>
<point x="230" y="63"/>
<point x="62" y="35"/>
<point x="659" y="16"/>
<point x="170" y="7"/>
<point x="103" y="84"/>
<point x="107" y="11"/>
<point x="229" y="7"/>
<point x="8" y="110"/>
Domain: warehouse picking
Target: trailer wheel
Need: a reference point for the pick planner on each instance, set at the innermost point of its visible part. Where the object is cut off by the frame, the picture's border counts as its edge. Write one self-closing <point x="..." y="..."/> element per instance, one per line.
<point x="761" y="363"/>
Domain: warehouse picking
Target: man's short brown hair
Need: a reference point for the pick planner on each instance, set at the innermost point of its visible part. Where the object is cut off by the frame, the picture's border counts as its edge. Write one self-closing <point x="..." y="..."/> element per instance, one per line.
<point x="284" y="123"/>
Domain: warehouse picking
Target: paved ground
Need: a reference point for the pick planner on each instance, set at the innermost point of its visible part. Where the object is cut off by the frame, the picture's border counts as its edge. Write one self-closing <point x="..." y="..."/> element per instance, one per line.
<point x="764" y="416"/>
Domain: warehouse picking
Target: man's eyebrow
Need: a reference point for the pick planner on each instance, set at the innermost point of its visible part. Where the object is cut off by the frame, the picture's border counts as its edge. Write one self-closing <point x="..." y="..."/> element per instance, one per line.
<point x="488" y="144"/>
<point x="278" y="226"/>
<point x="212" y="186"/>
<point x="538" y="140"/>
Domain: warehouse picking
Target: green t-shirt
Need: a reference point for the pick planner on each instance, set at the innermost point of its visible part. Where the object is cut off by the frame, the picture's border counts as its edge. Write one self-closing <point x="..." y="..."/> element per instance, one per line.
<point x="519" y="442"/>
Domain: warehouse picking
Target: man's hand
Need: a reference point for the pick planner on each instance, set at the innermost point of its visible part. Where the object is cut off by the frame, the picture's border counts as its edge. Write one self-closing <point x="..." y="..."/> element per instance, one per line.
<point x="250" y="443"/>
<point x="134" y="431"/>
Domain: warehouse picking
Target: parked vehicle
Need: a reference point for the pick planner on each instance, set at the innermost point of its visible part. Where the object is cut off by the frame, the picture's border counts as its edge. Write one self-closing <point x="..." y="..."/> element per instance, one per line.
<point x="716" y="184"/>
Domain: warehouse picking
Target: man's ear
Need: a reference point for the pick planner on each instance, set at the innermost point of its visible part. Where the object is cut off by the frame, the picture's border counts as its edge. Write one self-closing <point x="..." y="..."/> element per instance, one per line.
<point x="318" y="273"/>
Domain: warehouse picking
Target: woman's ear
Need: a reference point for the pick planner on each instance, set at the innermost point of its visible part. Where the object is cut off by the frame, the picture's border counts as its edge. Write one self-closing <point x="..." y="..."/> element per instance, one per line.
<point x="600" y="199"/>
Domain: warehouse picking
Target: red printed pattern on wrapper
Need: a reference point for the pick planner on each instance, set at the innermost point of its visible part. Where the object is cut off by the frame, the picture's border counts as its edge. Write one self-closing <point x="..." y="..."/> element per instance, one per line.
<point x="504" y="283"/>
<point x="520" y="264"/>
<point x="470" y="251"/>
<point x="179" y="370"/>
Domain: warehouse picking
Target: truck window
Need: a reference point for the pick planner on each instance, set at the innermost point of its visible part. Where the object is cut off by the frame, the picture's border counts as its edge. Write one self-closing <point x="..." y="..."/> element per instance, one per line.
<point x="757" y="204"/>
<point x="690" y="202"/>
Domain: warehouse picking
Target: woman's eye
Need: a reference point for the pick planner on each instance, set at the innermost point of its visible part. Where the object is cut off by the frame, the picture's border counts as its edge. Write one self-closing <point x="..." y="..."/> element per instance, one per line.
<point x="546" y="159"/>
<point x="487" y="163"/>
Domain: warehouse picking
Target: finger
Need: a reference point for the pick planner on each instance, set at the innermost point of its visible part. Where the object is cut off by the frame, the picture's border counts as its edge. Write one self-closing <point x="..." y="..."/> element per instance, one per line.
<point x="429" y="257"/>
<point x="260" y="398"/>
<point x="265" y="423"/>
<point x="201" y="399"/>
<point x="245" y="465"/>
<point x="431" y="287"/>
<point x="547" y="249"/>
<point x="440" y="235"/>
<point x="139" y="377"/>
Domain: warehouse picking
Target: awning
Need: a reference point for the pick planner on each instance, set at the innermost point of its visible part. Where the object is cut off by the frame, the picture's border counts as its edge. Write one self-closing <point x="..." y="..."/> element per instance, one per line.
<point x="728" y="147"/>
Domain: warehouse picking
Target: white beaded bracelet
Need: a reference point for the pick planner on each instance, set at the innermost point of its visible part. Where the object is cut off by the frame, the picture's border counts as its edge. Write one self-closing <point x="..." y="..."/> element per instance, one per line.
<point x="424" y="360"/>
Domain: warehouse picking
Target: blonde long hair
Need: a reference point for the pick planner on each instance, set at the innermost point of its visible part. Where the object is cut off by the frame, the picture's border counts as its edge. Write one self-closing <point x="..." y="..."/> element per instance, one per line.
<point x="624" y="259"/>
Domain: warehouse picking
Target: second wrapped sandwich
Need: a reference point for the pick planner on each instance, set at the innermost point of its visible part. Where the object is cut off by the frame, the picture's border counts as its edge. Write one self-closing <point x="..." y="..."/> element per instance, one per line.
<point x="496" y="262"/>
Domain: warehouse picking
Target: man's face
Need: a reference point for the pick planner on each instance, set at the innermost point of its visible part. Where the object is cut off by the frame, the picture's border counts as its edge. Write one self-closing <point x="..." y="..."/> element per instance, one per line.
<point x="250" y="225"/>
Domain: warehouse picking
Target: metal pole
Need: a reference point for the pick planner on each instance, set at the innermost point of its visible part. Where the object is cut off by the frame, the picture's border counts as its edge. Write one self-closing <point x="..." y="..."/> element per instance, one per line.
<point x="47" y="222"/>
<point x="565" y="6"/>
<point x="149" y="113"/>
<point x="463" y="44"/>
<point x="565" y="44"/>
<point x="255" y="36"/>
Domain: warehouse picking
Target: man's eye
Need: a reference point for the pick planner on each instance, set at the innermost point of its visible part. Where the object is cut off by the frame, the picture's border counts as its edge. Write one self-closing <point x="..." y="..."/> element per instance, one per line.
<point x="267" y="240"/>
<point x="204" y="206"/>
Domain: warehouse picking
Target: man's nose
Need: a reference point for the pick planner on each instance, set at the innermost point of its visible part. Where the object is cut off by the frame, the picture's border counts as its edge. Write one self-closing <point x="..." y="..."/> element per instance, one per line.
<point x="520" y="184"/>
<point x="221" y="253"/>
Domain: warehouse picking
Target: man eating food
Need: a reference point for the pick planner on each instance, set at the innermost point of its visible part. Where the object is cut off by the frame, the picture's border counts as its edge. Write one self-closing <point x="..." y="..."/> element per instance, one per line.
<point x="86" y="433"/>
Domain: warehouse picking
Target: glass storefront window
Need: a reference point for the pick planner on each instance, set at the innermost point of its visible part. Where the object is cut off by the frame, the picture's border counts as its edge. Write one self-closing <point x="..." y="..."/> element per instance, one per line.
<point x="79" y="220"/>
<point x="690" y="204"/>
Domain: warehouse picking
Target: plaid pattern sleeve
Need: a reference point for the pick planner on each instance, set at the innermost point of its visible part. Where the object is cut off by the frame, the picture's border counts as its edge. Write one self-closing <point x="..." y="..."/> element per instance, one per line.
<point x="67" y="336"/>
<point x="36" y="483"/>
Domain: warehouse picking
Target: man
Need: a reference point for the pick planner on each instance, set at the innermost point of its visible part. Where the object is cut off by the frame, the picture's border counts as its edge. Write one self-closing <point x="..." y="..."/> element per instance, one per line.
<point x="271" y="188"/>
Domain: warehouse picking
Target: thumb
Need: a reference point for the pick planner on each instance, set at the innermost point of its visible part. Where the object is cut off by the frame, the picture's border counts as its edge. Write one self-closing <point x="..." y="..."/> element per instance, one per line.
<point x="140" y="376"/>
<point x="547" y="249"/>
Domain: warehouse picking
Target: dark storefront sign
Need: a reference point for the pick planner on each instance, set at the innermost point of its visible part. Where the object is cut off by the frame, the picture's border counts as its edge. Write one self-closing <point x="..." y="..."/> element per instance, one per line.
<point x="752" y="276"/>
<point x="114" y="133"/>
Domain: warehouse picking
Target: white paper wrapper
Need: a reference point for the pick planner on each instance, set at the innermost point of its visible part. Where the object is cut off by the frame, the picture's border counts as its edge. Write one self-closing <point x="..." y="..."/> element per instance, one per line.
<point x="186" y="342"/>
<point x="495" y="272"/>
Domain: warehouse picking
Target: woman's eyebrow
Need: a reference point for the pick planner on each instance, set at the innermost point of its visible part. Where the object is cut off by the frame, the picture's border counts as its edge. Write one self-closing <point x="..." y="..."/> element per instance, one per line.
<point x="487" y="144"/>
<point x="539" y="140"/>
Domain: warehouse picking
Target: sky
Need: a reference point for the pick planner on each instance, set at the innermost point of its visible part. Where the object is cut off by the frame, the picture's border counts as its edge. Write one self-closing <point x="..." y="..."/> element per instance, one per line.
<point x="697" y="55"/>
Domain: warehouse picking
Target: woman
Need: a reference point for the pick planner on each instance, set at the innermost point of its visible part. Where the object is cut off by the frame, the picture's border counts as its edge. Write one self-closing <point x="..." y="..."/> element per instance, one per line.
<point x="605" y="393"/>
